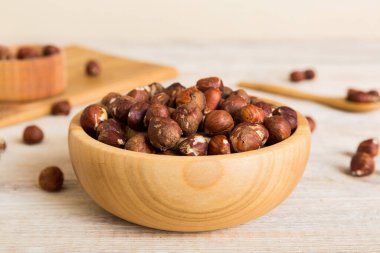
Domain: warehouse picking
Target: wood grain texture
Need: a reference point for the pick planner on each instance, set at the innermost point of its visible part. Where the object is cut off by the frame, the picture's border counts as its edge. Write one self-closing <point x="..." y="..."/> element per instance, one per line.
<point x="180" y="193"/>
<point x="118" y="74"/>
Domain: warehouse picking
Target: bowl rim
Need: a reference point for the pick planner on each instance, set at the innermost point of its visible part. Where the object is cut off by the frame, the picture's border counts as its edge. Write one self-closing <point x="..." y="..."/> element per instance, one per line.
<point x="76" y="131"/>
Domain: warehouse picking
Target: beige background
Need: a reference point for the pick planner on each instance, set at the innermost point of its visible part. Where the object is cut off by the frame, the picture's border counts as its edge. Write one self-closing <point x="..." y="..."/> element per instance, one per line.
<point x="143" y="20"/>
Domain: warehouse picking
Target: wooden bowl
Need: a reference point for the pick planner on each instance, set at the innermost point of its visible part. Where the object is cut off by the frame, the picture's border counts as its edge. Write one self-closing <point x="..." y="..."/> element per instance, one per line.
<point x="31" y="79"/>
<point x="179" y="193"/>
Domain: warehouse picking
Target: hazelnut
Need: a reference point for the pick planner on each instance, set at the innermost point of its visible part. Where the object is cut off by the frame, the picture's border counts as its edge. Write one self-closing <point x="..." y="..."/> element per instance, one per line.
<point x="50" y="50"/>
<point x="194" y="145"/>
<point x="112" y="138"/>
<point x="136" y="115"/>
<point x="278" y="127"/>
<point x="362" y="96"/>
<point x="250" y="114"/>
<point x="33" y="135"/>
<point x="209" y="82"/>
<point x="218" y="122"/>
<point x="311" y="122"/>
<point x="91" y="116"/>
<point x="164" y="133"/>
<point x="374" y="93"/>
<point x="261" y="131"/>
<point x="219" y="145"/>
<point x="309" y="74"/>
<point x="26" y="53"/>
<point x="139" y="94"/>
<point x="160" y="98"/>
<point x="92" y="68"/>
<point x="154" y="88"/>
<point x="5" y="54"/>
<point x="139" y="143"/>
<point x="370" y="146"/>
<point x="191" y="96"/>
<point x="244" y="138"/>
<point x="362" y="164"/>
<point x="173" y="90"/>
<point x="156" y="110"/>
<point x="266" y="107"/>
<point x="296" y="76"/>
<point x="188" y="118"/>
<point x="129" y="132"/>
<point x="226" y="91"/>
<point x="233" y="103"/>
<point x="242" y="93"/>
<point x="109" y="125"/>
<point x="61" y="108"/>
<point x="51" y="179"/>
<point x="213" y="97"/>
<point x="120" y="107"/>
<point x="3" y="145"/>
<point x="289" y="114"/>
<point x="109" y="98"/>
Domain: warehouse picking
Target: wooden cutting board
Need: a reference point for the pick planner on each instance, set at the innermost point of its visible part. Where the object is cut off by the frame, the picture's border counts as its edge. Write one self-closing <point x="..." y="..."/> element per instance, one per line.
<point x="118" y="74"/>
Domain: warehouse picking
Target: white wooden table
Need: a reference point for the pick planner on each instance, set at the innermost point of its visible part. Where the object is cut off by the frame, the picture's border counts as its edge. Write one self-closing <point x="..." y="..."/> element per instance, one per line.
<point x="329" y="211"/>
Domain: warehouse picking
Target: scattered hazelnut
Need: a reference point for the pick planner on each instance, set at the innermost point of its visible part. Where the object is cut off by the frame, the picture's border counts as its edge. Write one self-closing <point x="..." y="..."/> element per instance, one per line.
<point x="5" y="54"/>
<point x="309" y="74"/>
<point x="109" y="125"/>
<point x="191" y="96"/>
<point x="311" y="122"/>
<point x="33" y="135"/>
<point x="278" y="127"/>
<point x="51" y="179"/>
<point x="209" y="82"/>
<point x="139" y="94"/>
<point x="362" y="164"/>
<point x="164" y="133"/>
<point x="296" y="76"/>
<point x="289" y="114"/>
<point x="61" y="108"/>
<point x="139" y="143"/>
<point x="226" y="91"/>
<point x="218" y="122"/>
<point x="213" y="97"/>
<point x="219" y="145"/>
<point x="120" y="107"/>
<point x="156" y="110"/>
<point x="136" y="115"/>
<point x="50" y="50"/>
<point x="160" y="98"/>
<point x="92" y="68"/>
<point x="359" y="96"/>
<point x="266" y="107"/>
<point x="370" y="146"/>
<point x="242" y="93"/>
<point x="194" y="145"/>
<point x="250" y="114"/>
<point x="188" y="117"/>
<point x="112" y="138"/>
<point x="91" y="116"/>
<point x="3" y="145"/>
<point x="233" y="103"/>
<point x="26" y="53"/>
<point x="173" y="91"/>
<point x="244" y="138"/>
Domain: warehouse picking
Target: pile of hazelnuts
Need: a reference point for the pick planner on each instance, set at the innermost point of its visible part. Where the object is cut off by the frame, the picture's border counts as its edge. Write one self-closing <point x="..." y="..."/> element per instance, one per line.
<point x="27" y="52"/>
<point x="207" y="119"/>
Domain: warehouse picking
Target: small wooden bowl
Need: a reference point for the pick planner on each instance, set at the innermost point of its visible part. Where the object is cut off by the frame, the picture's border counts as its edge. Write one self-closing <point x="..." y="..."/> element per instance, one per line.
<point x="179" y="193"/>
<point x="31" y="79"/>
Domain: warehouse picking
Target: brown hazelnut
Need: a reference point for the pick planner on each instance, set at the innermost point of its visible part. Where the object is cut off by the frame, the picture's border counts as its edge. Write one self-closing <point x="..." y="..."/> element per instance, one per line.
<point x="309" y="74"/>
<point x="51" y="179"/>
<point x="164" y="133"/>
<point x="266" y="107"/>
<point x="156" y="110"/>
<point x="362" y="164"/>
<point x="109" y="125"/>
<point x="194" y="145"/>
<point x="226" y="91"/>
<point x="154" y="88"/>
<point x="139" y="143"/>
<point x="278" y="127"/>
<point x="242" y="93"/>
<point x="173" y="91"/>
<point x="219" y="145"/>
<point x="160" y="98"/>
<point x="191" y="96"/>
<point x="374" y="93"/>
<point x="112" y="138"/>
<point x="233" y="103"/>
<point x="311" y="123"/>
<point x="129" y="132"/>
<point x="188" y="117"/>
<point x="209" y="82"/>
<point x="136" y="115"/>
<point x="139" y="94"/>
<point x="50" y="50"/>
<point x="296" y="76"/>
<point x="91" y="116"/>
<point x="3" y="145"/>
<point x="359" y="96"/>
<point x="109" y="98"/>
<point x="261" y="131"/>
<point x="92" y="68"/>
<point x="213" y="97"/>
<point x="370" y="146"/>
<point x="120" y="107"/>
<point x="26" y="53"/>
<point x="5" y="53"/>
<point x="244" y="138"/>
<point x="218" y="122"/>
<point x="289" y="114"/>
<point x="250" y="114"/>
<point x="62" y="107"/>
<point x="33" y="135"/>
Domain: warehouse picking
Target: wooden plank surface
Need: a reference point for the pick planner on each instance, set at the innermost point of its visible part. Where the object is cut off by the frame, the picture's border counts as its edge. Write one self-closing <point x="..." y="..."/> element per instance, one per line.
<point x="329" y="211"/>
<point x="118" y="74"/>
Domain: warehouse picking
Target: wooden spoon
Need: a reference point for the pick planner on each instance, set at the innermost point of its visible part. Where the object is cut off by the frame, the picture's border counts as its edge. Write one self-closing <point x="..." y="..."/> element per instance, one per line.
<point x="336" y="102"/>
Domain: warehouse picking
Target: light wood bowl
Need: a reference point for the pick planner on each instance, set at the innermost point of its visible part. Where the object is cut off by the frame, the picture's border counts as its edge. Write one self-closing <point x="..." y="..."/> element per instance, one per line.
<point x="31" y="79"/>
<point x="179" y="193"/>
